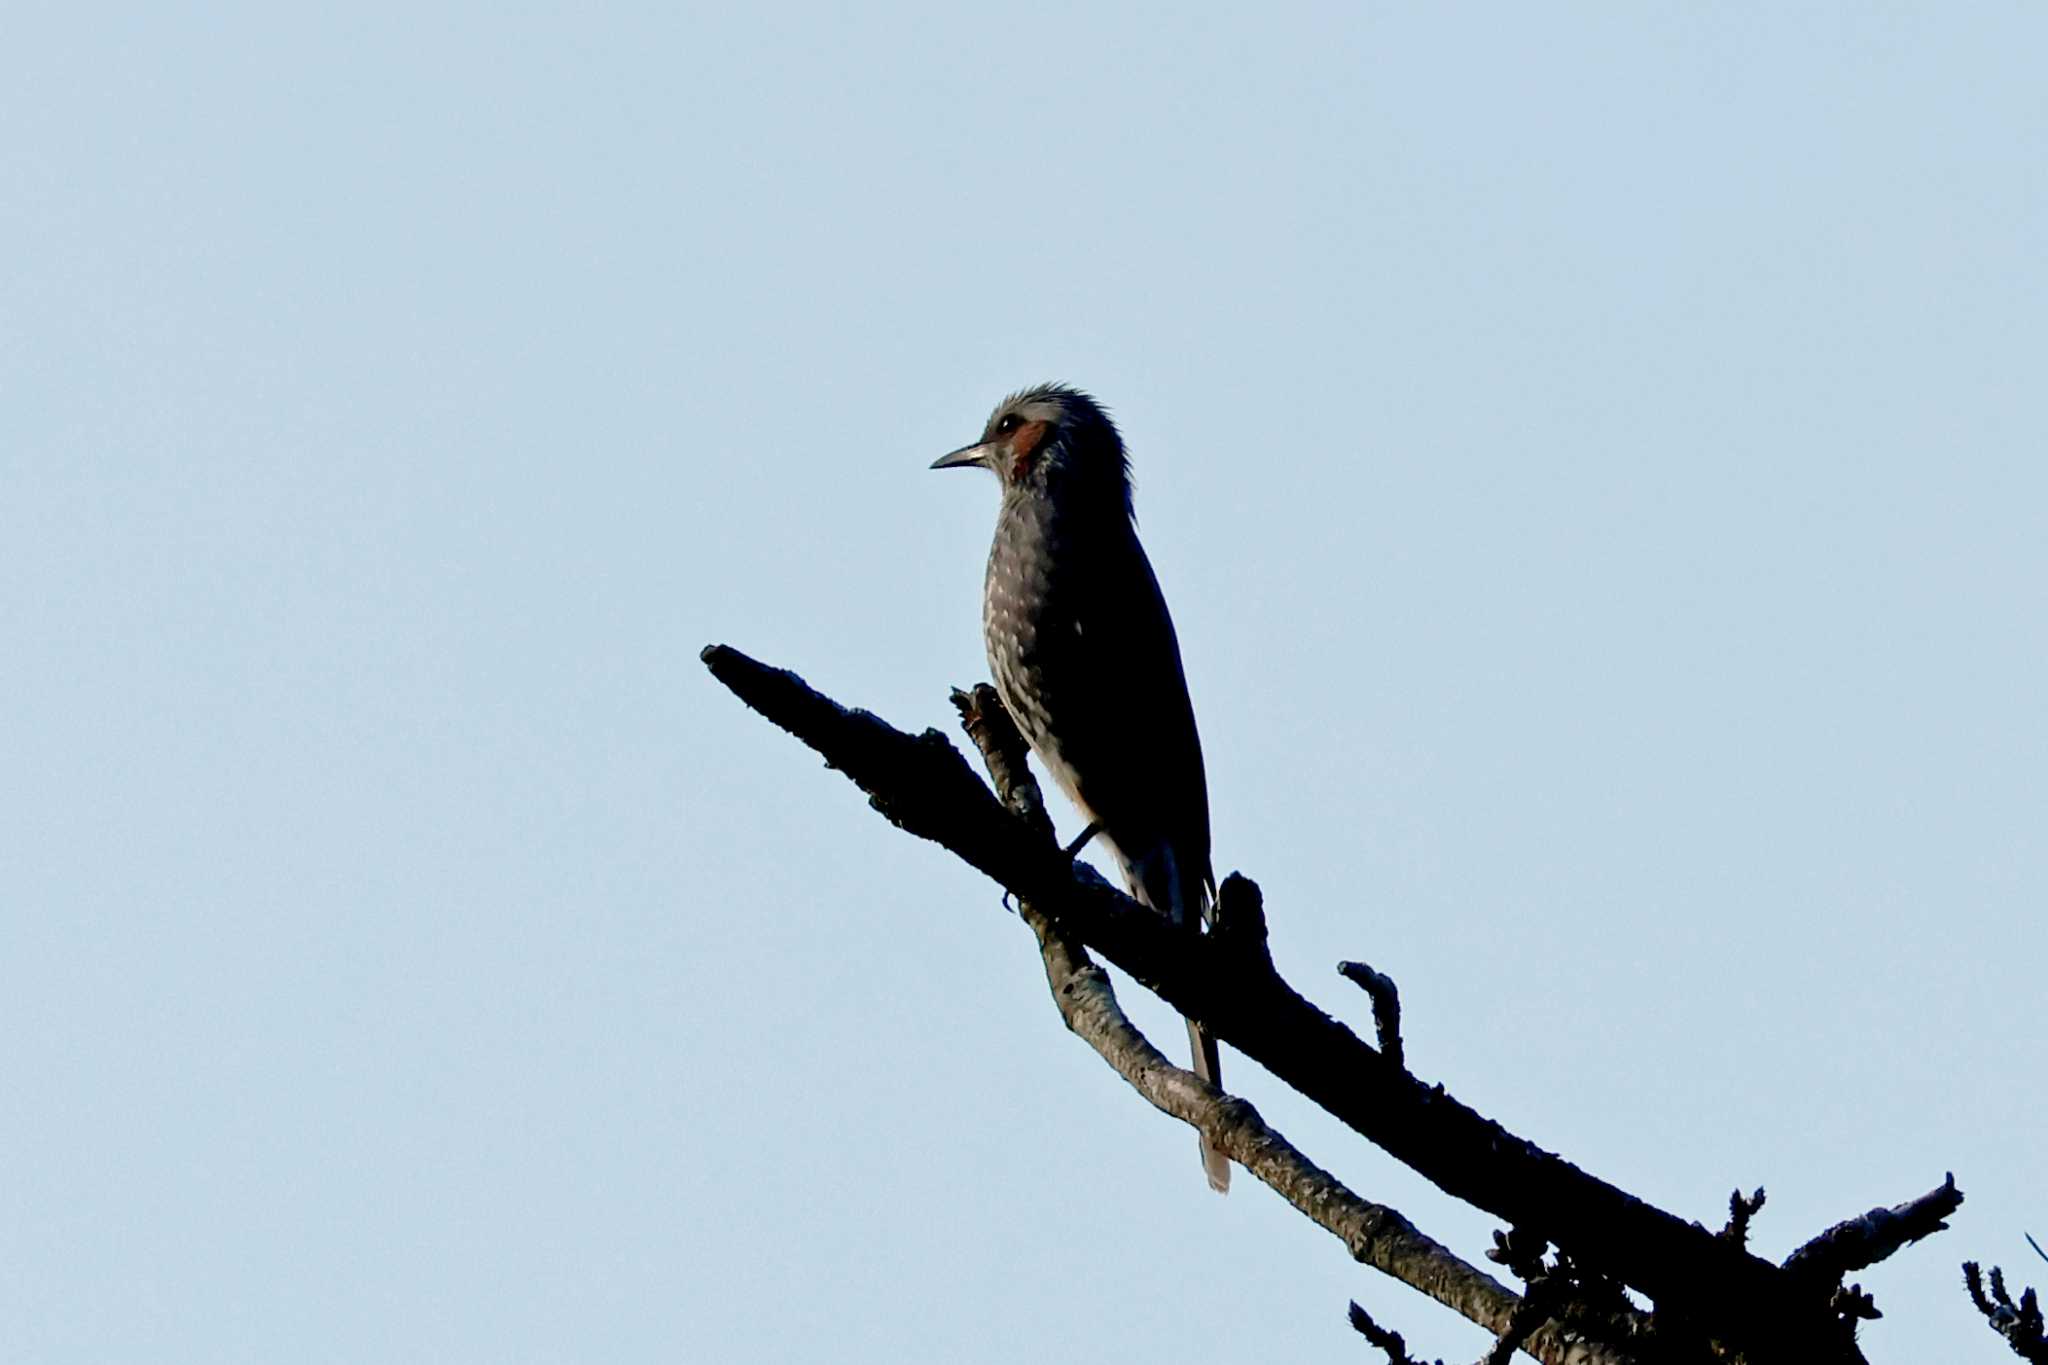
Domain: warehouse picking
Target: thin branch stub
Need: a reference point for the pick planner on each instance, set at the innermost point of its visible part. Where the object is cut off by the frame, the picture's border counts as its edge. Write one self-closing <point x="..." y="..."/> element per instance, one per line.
<point x="1386" y="1006"/>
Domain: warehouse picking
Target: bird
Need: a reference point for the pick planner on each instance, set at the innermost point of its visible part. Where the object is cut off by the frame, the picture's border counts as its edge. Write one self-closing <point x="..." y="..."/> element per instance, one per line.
<point x="1086" y="660"/>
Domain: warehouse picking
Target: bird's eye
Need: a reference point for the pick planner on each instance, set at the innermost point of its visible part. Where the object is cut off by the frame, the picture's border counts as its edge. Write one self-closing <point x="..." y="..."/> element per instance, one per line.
<point x="1007" y="425"/>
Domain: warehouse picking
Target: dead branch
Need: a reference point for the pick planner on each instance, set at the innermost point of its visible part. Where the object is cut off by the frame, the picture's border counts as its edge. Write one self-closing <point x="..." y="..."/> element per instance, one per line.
<point x="1374" y="1234"/>
<point x="1863" y="1241"/>
<point x="2020" y="1323"/>
<point x="922" y="784"/>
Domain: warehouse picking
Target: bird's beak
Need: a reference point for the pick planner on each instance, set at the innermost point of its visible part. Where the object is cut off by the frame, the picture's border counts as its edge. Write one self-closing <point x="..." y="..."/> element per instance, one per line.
<point x="965" y="456"/>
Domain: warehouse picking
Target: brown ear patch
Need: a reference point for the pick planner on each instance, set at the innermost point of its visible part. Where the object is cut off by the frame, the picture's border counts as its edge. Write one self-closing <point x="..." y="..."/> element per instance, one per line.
<point x="1023" y="446"/>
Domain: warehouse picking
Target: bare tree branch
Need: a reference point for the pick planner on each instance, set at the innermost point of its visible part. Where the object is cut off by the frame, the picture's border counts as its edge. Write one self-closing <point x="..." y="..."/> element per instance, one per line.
<point x="2019" y="1323"/>
<point x="1864" y="1241"/>
<point x="1374" y="1234"/>
<point x="923" y="785"/>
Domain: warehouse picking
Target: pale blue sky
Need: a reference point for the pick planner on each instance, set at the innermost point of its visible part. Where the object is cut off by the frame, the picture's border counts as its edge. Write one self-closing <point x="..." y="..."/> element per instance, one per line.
<point x="1594" y="454"/>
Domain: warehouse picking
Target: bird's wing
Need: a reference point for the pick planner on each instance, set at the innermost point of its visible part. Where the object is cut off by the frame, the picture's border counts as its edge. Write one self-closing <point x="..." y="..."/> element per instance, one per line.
<point x="1117" y="698"/>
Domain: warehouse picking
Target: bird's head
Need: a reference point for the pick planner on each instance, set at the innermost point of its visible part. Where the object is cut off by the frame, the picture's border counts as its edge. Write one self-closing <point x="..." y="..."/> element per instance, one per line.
<point x="1051" y="438"/>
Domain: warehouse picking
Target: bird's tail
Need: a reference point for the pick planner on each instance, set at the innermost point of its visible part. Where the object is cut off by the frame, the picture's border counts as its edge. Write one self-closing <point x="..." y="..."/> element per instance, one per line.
<point x="1185" y="896"/>
<point x="1209" y="1066"/>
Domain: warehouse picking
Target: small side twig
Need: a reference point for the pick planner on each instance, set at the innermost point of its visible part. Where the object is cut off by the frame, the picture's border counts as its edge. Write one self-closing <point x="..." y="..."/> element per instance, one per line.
<point x="1385" y="1338"/>
<point x="1386" y="1005"/>
<point x="1741" y="1209"/>
<point x="2019" y="1323"/>
<point x="1239" y="921"/>
<point x="1521" y="1251"/>
<point x="1854" y="1305"/>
